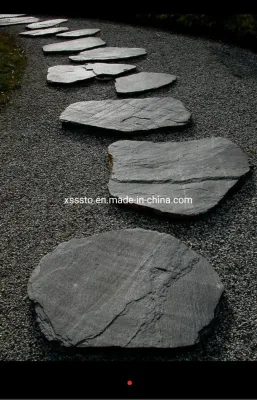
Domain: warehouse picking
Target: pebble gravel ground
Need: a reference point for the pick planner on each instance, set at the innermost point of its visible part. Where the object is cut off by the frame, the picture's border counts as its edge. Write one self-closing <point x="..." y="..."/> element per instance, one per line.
<point x="42" y="164"/>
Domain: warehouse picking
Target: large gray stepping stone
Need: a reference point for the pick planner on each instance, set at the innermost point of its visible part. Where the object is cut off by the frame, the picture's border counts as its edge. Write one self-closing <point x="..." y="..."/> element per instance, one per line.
<point x="17" y="21"/>
<point x="74" y="45"/>
<point x="43" y="32"/>
<point x="79" y="33"/>
<point x="202" y="170"/>
<point x="68" y="74"/>
<point x="46" y="24"/>
<point x="142" y="81"/>
<point x="11" y="15"/>
<point x="128" y="115"/>
<point x="129" y="288"/>
<point x="105" y="70"/>
<point x="108" y="54"/>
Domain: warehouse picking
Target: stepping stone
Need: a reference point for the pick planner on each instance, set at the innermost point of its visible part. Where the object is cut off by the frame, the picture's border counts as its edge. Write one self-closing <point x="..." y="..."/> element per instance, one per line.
<point x="79" y="33"/>
<point x="11" y="15"/>
<point x="131" y="288"/>
<point x="202" y="170"/>
<point x="128" y="115"/>
<point x="43" y="32"/>
<point x="108" y="54"/>
<point x="74" y="45"/>
<point x="68" y="74"/>
<point x="17" y="21"/>
<point x="46" y="24"/>
<point x="108" y="71"/>
<point x="142" y="81"/>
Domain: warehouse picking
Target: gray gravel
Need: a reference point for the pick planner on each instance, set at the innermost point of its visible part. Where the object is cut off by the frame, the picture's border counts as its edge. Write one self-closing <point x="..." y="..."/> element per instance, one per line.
<point x="42" y="163"/>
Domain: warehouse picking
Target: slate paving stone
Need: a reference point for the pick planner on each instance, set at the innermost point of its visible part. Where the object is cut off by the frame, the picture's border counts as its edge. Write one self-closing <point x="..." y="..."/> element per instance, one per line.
<point x="202" y="170"/>
<point x="130" y="288"/>
<point x="142" y="82"/>
<point x="43" y="32"/>
<point x="128" y="115"/>
<point x="68" y="74"/>
<point x="17" y="21"/>
<point x="46" y="24"/>
<point x="108" y="54"/>
<point x="73" y="45"/>
<point x="79" y="33"/>
<point x="108" y="71"/>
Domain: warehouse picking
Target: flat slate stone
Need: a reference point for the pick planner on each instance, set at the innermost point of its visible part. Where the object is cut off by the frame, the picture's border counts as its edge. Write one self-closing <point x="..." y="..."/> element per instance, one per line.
<point x="79" y="33"/>
<point x="131" y="289"/>
<point x="43" y="32"/>
<point x="11" y="15"/>
<point x="46" y="24"/>
<point x="108" y="54"/>
<point x="68" y="74"/>
<point x="202" y="170"/>
<point x="128" y="115"/>
<point x="74" y="45"/>
<point x="142" y="81"/>
<point x="108" y="71"/>
<point x="17" y="21"/>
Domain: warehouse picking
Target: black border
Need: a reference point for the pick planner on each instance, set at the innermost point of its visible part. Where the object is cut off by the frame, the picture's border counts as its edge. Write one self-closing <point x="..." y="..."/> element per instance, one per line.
<point x="171" y="380"/>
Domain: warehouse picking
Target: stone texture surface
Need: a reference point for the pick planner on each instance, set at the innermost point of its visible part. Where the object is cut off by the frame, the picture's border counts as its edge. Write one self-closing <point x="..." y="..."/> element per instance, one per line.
<point x="108" y="71"/>
<point x="46" y="24"/>
<point x="108" y="54"/>
<point x="17" y="21"/>
<point x="73" y="45"/>
<point x="128" y="288"/>
<point x="43" y="32"/>
<point x="203" y="170"/>
<point x="68" y="74"/>
<point x="11" y="15"/>
<point x="79" y="33"/>
<point x="142" y="81"/>
<point x="128" y="115"/>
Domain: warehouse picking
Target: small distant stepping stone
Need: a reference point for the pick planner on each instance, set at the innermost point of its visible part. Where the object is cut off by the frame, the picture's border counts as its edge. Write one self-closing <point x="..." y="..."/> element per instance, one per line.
<point x="129" y="288"/>
<point x="68" y="74"/>
<point x="11" y="15"/>
<point x="108" y="54"/>
<point x="43" y="32"/>
<point x="128" y="115"/>
<point x="46" y="24"/>
<point x="73" y="45"/>
<point x="17" y="21"/>
<point x="202" y="170"/>
<point x="108" y="71"/>
<point x="79" y="33"/>
<point x="142" y="81"/>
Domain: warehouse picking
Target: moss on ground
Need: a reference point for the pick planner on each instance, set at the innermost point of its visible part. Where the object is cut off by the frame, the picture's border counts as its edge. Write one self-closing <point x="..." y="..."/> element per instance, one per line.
<point x="12" y="65"/>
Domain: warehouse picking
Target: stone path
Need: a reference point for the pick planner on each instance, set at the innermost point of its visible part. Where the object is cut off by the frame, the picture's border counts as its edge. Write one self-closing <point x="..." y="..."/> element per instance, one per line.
<point x="210" y="167"/>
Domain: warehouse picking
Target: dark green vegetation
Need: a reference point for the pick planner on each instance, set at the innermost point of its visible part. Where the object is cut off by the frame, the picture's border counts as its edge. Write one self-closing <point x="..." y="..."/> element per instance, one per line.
<point x="12" y="65"/>
<point x="238" y="28"/>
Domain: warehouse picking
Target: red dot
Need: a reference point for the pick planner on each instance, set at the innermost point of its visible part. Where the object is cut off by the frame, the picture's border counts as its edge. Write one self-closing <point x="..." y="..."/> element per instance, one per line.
<point x="129" y="383"/>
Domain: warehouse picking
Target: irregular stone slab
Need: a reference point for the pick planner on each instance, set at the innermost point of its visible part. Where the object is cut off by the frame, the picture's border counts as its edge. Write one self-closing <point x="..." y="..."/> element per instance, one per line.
<point x="43" y="32"/>
<point x="142" y="81"/>
<point x="11" y="15"/>
<point x="129" y="288"/>
<point x="74" y="45"/>
<point x="202" y="170"/>
<point x="46" y="24"/>
<point x="17" y="21"/>
<point x="68" y="74"/>
<point x="109" y="53"/>
<point x="79" y="33"/>
<point x="128" y="115"/>
<point x="108" y="71"/>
